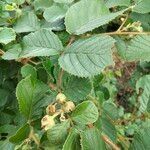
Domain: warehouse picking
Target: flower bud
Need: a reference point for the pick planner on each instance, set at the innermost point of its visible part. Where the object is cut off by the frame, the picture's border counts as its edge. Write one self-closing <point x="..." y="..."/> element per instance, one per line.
<point x="47" y="122"/>
<point x="68" y="107"/>
<point x="61" y="98"/>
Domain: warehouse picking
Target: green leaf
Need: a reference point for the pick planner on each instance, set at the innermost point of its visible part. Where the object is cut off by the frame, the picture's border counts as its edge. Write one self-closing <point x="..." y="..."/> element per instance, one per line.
<point x="85" y="113"/>
<point x="72" y="142"/>
<point x="7" y="35"/>
<point x="110" y="110"/>
<point x="13" y="52"/>
<point x="28" y="22"/>
<point x="141" y="139"/>
<point x="29" y="95"/>
<point x="91" y="140"/>
<point x="54" y="26"/>
<point x="121" y="46"/>
<point x="55" y="13"/>
<point x="144" y="99"/>
<point x="58" y="133"/>
<point x="19" y="2"/>
<point x="63" y="1"/>
<point x="105" y="124"/>
<point x="7" y="128"/>
<point x="88" y="57"/>
<point x="27" y="70"/>
<point x="113" y="3"/>
<point x="3" y="97"/>
<point x="41" y="43"/>
<point x="90" y="14"/>
<point x="77" y="88"/>
<point x="21" y="134"/>
<point x="143" y="18"/>
<point x="143" y="6"/>
<point x="42" y="4"/>
<point x="139" y="48"/>
<point x="6" y="145"/>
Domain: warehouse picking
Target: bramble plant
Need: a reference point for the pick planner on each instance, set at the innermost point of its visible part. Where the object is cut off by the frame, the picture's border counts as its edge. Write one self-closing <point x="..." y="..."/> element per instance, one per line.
<point x="74" y="74"/>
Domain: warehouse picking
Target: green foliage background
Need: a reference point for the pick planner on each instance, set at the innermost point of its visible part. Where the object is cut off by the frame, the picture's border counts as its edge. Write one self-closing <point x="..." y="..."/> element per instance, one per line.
<point x="95" y="52"/>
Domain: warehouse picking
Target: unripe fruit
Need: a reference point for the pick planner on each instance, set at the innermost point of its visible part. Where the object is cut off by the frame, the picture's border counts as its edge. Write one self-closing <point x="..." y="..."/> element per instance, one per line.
<point x="47" y="122"/>
<point x="68" y="106"/>
<point x="61" y="98"/>
<point x="62" y="118"/>
<point x="51" y="109"/>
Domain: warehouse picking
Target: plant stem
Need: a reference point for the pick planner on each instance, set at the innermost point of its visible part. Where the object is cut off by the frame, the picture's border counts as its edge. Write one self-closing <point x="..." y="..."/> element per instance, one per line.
<point x="1" y="52"/>
<point x="33" y="137"/>
<point x="59" y="81"/>
<point x="122" y="24"/>
<point x="109" y="142"/>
